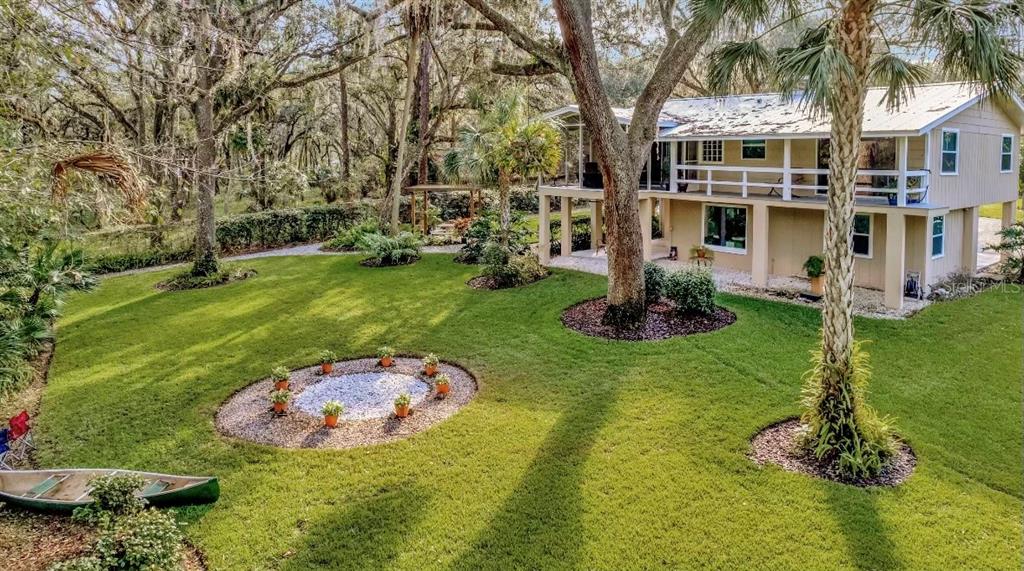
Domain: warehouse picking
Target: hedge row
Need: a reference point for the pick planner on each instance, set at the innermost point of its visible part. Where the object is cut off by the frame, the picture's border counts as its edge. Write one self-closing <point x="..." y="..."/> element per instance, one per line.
<point x="255" y="231"/>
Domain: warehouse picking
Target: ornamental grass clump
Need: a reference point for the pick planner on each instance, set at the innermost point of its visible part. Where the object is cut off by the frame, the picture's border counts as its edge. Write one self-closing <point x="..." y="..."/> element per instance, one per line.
<point x="842" y="428"/>
<point x="692" y="290"/>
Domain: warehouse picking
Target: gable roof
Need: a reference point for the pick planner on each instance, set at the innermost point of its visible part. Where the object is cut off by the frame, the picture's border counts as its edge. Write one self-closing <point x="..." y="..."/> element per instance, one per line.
<point x="772" y="115"/>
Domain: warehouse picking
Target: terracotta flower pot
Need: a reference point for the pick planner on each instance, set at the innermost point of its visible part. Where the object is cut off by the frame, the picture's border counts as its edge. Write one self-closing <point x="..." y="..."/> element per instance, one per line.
<point x="281" y="385"/>
<point x="443" y="389"/>
<point x="280" y="407"/>
<point x="817" y="288"/>
<point x="326" y="368"/>
<point x="386" y="361"/>
<point x="331" y="421"/>
<point x="402" y="411"/>
<point x="430" y="370"/>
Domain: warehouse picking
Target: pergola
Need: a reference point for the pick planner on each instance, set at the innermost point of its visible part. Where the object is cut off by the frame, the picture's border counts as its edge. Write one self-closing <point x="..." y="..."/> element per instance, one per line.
<point x="426" y="189"/>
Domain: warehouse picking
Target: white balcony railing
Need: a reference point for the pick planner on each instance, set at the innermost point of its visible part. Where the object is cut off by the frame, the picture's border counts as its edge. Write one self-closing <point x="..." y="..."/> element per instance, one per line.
<point x="781" y="181"/>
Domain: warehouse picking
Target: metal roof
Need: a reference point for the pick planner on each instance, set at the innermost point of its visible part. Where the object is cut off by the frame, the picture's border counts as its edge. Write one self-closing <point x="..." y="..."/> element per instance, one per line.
<point x="772" y="115"/>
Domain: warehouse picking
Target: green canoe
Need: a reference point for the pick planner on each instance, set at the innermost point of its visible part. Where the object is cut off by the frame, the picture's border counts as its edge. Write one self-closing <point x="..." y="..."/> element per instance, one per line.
<point x="65" y="490"/>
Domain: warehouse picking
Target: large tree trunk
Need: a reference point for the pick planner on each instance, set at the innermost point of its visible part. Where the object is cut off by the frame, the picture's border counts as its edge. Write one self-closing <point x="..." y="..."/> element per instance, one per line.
<point x="854" y="40"/>
<point x="205" y="262"/>
<point x="625" y="242"/>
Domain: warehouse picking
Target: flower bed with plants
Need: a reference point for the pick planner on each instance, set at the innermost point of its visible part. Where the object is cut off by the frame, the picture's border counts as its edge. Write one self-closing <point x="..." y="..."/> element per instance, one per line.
<point x="359" y="402"/>
<point x="679" y="303"/>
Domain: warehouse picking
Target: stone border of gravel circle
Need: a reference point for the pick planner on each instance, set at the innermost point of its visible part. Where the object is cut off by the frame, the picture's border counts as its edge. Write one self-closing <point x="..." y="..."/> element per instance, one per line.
<point x="776" y="444"/>
<point x="248" y="415"/>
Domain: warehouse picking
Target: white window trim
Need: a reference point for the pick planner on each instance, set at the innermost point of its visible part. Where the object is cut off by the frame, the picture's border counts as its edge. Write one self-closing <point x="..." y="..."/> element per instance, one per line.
<point x="1002" y="154"/>
<point x="704" y="228"/>
<point x="933" y="235"/>
<point x="764" y="143"/>
<point x="870" y="235"/>
<point x="942" y="151"/>
<point x="700" y="153"/>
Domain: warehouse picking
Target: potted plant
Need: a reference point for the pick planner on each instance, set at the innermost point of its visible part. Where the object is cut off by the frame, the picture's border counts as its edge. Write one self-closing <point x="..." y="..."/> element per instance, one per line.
<point x="430" y="365"/>
<point x="386" y="356"/>
<point x="327" y="359"/>
<point x="702" y="255"/>
<point x="443" y="384"/>
<point x="815" y="268"/>
<point x="280" y="399"/>
<point x="281" y="378"/>
<point x="402" y="405"/>
<point x="332" y="410"/>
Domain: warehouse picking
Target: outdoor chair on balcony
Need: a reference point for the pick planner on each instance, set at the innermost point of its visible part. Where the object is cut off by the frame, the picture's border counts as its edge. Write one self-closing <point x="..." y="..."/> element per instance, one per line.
<point x="592" y="176"/>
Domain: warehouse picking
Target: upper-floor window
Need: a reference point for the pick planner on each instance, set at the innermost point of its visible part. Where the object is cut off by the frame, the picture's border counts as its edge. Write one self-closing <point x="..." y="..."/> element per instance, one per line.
<point x="1006" y="154"/>
<point x="938" y="236"/>
<point x="862" y="235"/>
<point x="950" y="151"/>
<point x="753" y="149"/>
<point x="711" y="151"/>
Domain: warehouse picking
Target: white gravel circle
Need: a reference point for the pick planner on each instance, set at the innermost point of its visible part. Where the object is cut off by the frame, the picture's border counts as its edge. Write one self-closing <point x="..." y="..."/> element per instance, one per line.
<point x="364" y="395"/>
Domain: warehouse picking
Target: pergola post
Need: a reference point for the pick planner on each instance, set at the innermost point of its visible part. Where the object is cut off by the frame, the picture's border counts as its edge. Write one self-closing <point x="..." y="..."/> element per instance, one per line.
<point x="426" y="209"/>
<point x="895" y="253"/>
<point x="544" y="230"/>
<point x="566" y="214"/>
<point x="596" y="224"/>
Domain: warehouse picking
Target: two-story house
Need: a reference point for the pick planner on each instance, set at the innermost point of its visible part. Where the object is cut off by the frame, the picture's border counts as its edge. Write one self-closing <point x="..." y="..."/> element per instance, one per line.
<point x="747" y="176"/>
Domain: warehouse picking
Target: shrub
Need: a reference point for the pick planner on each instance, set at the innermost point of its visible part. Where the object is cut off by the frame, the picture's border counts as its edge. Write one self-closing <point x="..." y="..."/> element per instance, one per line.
<point x="843" y="428"/>
<point x="111" y="263"/>
<point x="88" y="563"/>
<point x="391" y="250"/>
<point x="274" y="228"/>
<point x="654" y="282"/>
<point x="327" y="356"/>
<point x="580" y="234"/>
<point x="692" y="290"/>
<point x="508" y="269"/>
<point x="332" y="408"/>
<point x="144" y="541"/>
<point x="348" y="239"/>
<point x="1011" y="243"/>
<point x="112" y="496"/>
<point x="484" y="230"/>
<point x="280" y="374"/>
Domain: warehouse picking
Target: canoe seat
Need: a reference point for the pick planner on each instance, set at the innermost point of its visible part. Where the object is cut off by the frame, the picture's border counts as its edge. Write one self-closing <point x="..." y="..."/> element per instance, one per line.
<point x="47" y="485"/>
<point x="155" y="487"/>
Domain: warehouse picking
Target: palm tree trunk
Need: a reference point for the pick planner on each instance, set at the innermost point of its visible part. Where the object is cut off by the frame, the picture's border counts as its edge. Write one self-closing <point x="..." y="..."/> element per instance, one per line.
<point x="205" y="262"/>
<point x="837" y="343"/>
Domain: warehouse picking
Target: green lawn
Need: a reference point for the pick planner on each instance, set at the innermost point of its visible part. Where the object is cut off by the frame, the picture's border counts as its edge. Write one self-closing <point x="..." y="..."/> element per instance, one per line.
<point x="577" y="453"/>
<point x="996" y="211"/>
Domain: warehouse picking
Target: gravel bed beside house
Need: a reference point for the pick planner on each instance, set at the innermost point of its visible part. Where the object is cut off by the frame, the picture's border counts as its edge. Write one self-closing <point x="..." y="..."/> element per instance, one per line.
<point x="248" y="414"/>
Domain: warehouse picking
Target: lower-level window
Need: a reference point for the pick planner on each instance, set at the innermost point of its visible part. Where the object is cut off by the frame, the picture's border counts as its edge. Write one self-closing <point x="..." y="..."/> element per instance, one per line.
<point x="938" y="236"/>
<point x="726" y="227"/>
<point x="862" y="235"/>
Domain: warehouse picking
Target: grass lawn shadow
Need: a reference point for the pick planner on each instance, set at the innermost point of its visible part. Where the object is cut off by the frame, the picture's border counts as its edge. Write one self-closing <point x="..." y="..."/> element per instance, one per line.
<point x="867" y="540"/>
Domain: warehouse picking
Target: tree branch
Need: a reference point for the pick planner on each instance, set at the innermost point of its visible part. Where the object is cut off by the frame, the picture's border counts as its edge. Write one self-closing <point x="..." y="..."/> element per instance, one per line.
<point x="553" y="56"/>
<point x="523" y="69"/>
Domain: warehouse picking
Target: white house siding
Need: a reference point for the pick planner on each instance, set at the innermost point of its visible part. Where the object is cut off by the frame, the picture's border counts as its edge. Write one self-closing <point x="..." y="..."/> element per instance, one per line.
<point x="979" y="180"/>
<point x="952" y="260"/>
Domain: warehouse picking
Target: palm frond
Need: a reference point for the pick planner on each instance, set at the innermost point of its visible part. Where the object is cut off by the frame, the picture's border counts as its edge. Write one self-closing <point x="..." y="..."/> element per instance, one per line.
<point x="750" y="58"/>
<point x="898" y="76"/>
<point x="812" y="68"/>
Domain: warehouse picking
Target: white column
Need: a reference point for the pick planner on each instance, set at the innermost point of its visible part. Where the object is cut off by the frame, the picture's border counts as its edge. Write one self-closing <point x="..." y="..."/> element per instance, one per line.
<point x="1009" y="218"/>
<point x="787" y="165"/>
<point x="895" y="252"/>
<point x="901" y="166"/>
<point x="566" y="226"/>
<point x="645" y="226"/>
<point x="744" y="184"/>
<point x="596" y="224"/>
<point x="579" y="155"/>
<point x="544" y="230"/>
<point x="759" y="235"/>
<point x="969" y="244"/>
<point x="709" y="181"/>
<point x="649" y="164"/>
<point x="673" y="159"/>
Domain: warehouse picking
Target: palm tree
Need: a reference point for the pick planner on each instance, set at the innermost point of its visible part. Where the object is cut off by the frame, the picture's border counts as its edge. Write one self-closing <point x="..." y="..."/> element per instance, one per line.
<point x="504" y="145"/>
<point x="833" y="65"/>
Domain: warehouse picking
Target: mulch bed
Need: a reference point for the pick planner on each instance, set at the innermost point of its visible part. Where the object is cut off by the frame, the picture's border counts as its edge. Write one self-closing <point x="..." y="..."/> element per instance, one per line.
<point x="376" y="263"/>
<point x="777" y="444"/>
<point x="184" y="282"/>
<point x="488" y="283"/>
<point x="248" y="414"/>
<point x="662" y="322"/>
